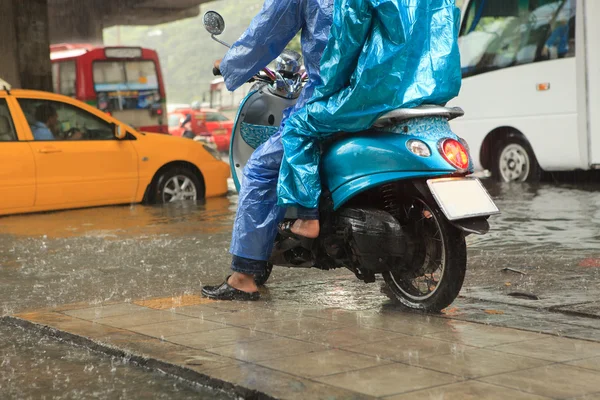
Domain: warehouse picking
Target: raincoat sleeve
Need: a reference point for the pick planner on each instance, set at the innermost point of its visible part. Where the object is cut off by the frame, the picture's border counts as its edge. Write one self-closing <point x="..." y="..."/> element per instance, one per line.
<point x="347" y="39"/>
<point x="270" y="31"/>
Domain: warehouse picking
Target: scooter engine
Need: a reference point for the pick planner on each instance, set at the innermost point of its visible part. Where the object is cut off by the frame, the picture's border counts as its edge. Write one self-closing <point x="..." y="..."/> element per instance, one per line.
<point x="374" y="238"/>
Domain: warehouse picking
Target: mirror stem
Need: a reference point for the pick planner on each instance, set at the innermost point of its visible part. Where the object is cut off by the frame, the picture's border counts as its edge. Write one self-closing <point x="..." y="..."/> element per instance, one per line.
<point x="220" y="41"/>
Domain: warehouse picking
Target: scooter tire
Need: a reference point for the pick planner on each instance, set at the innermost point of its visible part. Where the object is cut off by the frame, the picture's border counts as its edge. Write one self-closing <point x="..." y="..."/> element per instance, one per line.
<point x="455" y="267"/>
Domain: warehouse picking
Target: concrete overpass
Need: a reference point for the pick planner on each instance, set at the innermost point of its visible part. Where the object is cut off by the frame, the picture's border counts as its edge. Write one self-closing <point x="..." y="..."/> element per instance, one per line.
<point x="28" y="27"/>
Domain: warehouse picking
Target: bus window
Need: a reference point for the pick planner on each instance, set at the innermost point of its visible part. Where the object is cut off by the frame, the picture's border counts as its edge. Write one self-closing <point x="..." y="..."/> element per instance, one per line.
<point x="64" y="78"/>
<point x="68" y="77"/>
<point x="503" y="33"/>
<point x="126" y="85"/>
<point x="55" y="77"/>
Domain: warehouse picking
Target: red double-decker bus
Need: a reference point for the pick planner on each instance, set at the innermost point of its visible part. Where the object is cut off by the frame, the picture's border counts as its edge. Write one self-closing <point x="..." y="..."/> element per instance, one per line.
<point x="124" y="81"/>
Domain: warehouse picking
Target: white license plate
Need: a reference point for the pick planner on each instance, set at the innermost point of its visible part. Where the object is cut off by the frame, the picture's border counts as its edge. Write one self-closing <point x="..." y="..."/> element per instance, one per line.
<point x="461" y="198"/>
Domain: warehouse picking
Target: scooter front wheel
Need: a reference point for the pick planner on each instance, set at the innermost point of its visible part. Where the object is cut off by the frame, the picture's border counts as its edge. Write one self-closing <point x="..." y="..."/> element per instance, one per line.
<point x="430" y="276"/>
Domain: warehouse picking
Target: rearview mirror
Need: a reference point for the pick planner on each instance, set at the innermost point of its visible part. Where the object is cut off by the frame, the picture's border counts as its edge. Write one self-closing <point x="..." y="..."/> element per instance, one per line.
<point x="214" y="23"/>
<point x="119" y="132"/>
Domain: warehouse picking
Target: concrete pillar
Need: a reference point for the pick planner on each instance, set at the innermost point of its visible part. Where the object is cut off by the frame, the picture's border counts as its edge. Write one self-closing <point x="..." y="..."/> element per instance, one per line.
<point x="25" y="45"/>
<point x="76" y="21"/>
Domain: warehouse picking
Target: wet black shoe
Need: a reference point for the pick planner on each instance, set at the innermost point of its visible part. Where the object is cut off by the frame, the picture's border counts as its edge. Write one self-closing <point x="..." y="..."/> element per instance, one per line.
<point x="226" y="292"/>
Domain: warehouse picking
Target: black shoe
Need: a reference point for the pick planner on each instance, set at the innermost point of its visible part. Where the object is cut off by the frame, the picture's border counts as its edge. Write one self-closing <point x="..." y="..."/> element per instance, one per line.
<point x="211" y="288"/>
<point x="226" y="292"/>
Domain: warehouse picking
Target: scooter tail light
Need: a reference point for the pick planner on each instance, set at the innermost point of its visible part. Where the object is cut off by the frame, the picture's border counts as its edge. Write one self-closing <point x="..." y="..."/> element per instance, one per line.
<point x="455" y="153"/>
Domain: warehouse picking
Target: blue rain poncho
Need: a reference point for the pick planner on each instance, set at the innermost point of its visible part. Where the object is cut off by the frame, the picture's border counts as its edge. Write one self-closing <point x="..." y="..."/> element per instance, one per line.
<point x="255" y="225"/>
<point x="381" y="55"/>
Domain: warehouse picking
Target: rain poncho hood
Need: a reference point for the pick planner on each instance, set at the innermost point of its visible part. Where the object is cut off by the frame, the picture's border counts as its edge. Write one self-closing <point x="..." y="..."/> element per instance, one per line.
<point x="381" y="55"/>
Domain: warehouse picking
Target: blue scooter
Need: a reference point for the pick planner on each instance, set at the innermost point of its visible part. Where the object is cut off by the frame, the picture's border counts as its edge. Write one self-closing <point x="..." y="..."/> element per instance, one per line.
<point x="396" y="199"/>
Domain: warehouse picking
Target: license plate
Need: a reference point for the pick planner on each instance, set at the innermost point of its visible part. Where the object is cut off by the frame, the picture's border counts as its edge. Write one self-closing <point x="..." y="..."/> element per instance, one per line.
<point x="461" y="198"/>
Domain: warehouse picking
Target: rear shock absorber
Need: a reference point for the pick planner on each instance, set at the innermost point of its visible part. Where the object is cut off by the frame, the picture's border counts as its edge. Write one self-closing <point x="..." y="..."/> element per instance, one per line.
<point x="390" y="194"/>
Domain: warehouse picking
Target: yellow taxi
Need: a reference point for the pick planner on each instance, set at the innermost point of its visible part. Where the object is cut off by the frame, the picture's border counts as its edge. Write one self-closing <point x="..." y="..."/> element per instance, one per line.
<point x="59" y="153"/>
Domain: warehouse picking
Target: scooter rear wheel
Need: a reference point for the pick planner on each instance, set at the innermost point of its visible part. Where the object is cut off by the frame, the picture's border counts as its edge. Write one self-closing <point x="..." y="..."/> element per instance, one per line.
<point x="431" y="275"/>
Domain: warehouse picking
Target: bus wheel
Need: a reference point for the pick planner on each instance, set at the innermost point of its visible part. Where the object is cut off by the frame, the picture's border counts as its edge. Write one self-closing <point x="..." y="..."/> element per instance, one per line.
<point x="177" y="184"/>
<point x="516" y="162"/>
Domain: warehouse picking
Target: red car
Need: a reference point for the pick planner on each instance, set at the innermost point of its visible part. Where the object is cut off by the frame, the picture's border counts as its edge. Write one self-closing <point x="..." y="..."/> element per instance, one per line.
<point x="205" y="122"/>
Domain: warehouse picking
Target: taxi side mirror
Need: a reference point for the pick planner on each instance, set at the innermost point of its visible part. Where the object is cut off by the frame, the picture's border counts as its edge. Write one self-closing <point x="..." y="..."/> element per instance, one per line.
<point x="119" y="132"/>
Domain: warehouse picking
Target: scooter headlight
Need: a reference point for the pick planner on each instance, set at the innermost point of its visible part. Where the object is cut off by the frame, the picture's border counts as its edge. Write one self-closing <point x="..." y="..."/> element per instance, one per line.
<point x="419" y="148"/>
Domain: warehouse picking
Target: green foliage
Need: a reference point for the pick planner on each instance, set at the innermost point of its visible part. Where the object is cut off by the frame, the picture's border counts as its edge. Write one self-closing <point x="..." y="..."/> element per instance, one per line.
<point x="186" y="50"/>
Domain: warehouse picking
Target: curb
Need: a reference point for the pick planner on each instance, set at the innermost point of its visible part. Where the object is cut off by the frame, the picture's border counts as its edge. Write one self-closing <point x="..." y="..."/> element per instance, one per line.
<point x="190" y="376"/>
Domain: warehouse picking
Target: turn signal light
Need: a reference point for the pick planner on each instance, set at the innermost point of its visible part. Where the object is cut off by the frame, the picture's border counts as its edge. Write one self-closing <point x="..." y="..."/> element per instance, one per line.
<point x="455" y="153"/>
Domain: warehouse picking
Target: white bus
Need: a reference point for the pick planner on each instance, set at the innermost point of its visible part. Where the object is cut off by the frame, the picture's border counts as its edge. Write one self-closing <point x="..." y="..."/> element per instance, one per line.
<point x="531" y="88"/>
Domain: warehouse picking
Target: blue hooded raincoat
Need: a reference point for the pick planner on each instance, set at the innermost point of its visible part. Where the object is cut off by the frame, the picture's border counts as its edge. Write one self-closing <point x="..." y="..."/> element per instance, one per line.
<point x="381" y="55"/>
<point x="255" y="225"/>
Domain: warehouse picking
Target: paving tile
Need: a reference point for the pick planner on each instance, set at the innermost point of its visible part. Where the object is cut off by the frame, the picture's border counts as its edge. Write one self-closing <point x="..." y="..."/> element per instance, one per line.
<point x="409" y="348"/>
<point x="70" y="324"/>
<point x="409" y="324"/>
<point x="471" y="390"/>
<point x="594" y="396"/>
<point x="122" y="338"/>
<point x="281" y="385"/>
<point x="167" y="303"/>
<point x="296" y="327"/>
<point x="200" y="311"/>
<point x="141" y="318"/>
<point x="556" y="381"/>
<point x="195" y="359"/>
<point x="76" y="306"/>
<point x="349" y="336"/>
<point x="323" y="363"/>
<point x="250" y="317"/>
<point x="553" y="349"/>
<point x="478" y="363"/>
<point x="589" y="363"/>
<point x="139" y="344"/>
<point x="388" y="379"/>
<point x="238" y="305"/>
<point x="89" y="329"/>
<point x="180" y="327"/>
<point x="45" y="318"/>
<point x="218" y="338"/>
<point x="337" y="314"/>
<point x="267" y="349"/>
<point x="113" y="310"/>
<point x="483" y="335"/>
<point x="198" y="360"/>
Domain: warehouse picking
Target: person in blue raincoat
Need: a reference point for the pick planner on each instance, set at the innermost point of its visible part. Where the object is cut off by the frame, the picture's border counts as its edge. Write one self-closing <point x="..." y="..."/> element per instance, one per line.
<point x="258" y="214"/>
<point x="381" y="55"/>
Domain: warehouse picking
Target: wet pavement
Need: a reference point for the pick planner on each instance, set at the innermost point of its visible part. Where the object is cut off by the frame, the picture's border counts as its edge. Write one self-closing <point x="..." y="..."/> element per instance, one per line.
<point x="547" y="237"/>
<point x="35" y="366"/>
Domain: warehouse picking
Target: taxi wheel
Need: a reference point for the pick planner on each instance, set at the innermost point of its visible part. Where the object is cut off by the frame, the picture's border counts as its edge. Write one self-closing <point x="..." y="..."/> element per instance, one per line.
<point x="177" y="184"/>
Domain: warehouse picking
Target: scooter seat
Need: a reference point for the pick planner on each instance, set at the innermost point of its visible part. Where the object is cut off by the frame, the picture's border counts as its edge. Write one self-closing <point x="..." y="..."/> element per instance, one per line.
<point x="402" y="114"/>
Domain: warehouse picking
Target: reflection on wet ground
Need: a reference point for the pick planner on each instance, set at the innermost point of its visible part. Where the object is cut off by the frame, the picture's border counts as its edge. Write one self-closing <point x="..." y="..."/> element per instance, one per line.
<point x="60" y="371"/>
<point x="542" y="218"/>
<point x="547" y="232"/>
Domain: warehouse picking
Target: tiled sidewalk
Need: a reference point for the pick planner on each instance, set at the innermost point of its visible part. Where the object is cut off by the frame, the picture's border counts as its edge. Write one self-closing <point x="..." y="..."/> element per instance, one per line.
<point x="285" y="351"/>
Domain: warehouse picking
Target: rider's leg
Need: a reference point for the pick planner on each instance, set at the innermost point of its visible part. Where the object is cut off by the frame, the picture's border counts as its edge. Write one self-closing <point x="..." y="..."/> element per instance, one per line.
<point x="255" y="225"/>
<point x="299" y="180"/>
<point x="307" y="224"/>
